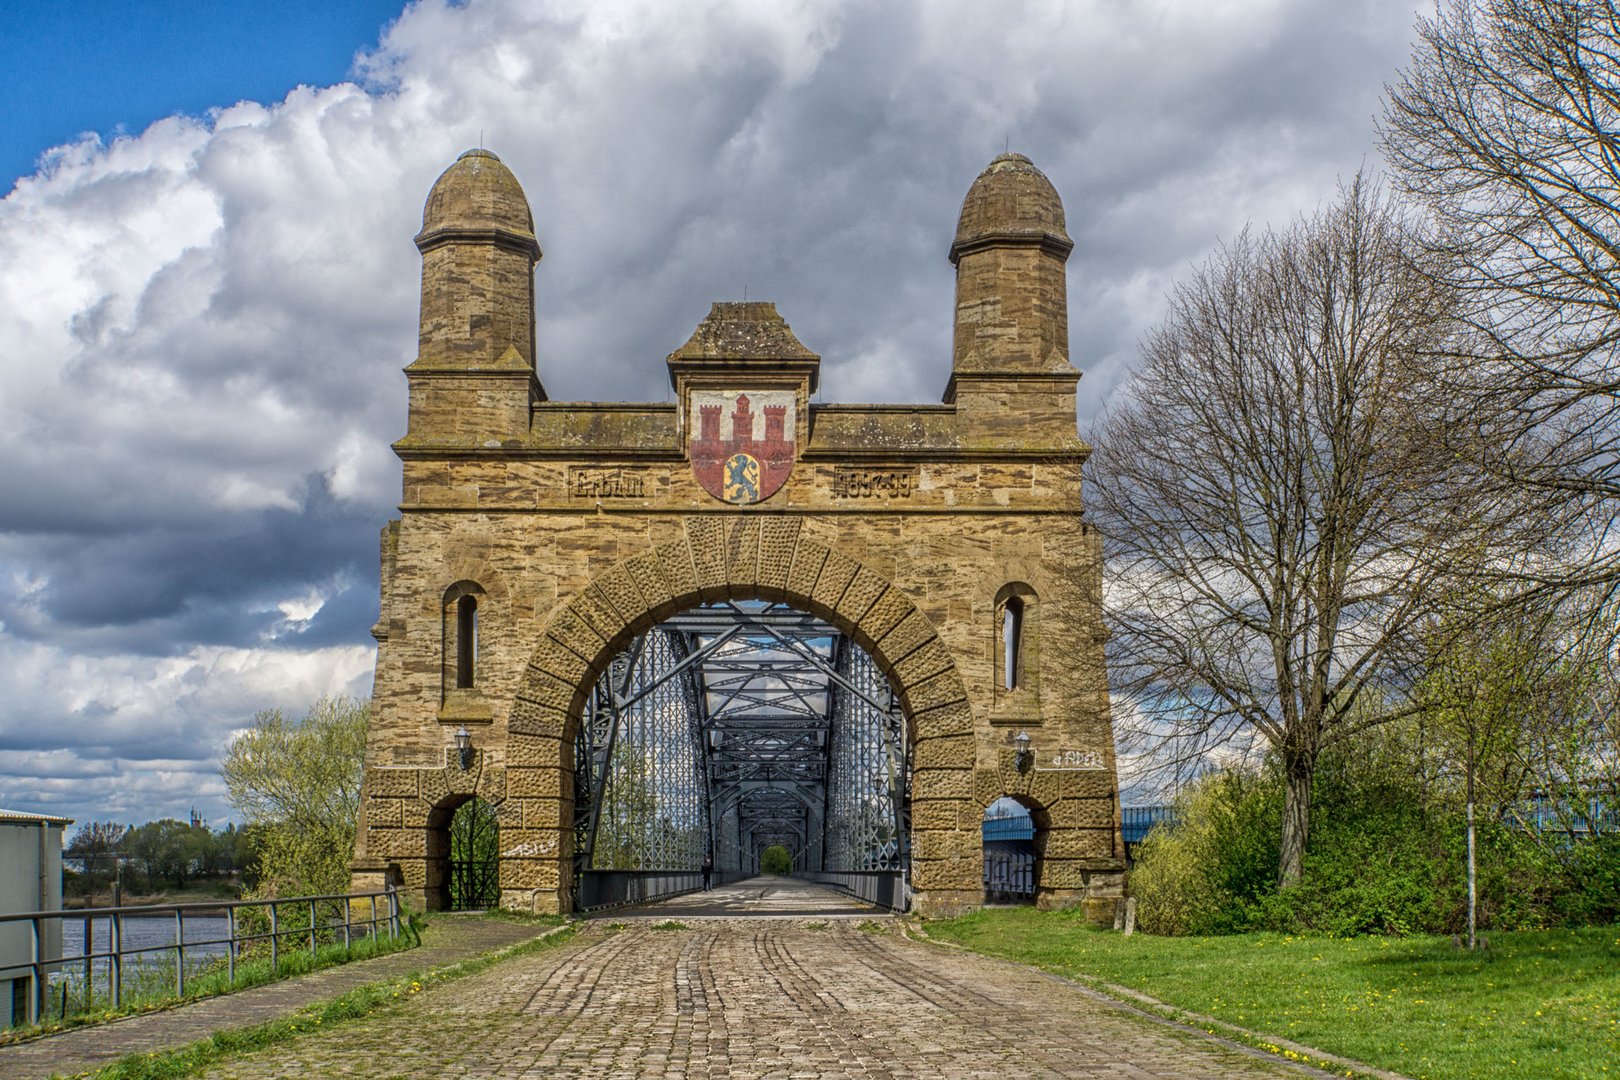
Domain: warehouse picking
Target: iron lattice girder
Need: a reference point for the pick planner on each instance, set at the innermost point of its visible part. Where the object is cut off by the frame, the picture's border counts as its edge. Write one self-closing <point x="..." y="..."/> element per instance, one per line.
<point x="789" y="725"/>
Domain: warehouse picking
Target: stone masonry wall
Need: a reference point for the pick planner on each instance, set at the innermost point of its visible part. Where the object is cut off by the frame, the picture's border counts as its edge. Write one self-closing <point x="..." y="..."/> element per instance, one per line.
<point x="942" y="535"/>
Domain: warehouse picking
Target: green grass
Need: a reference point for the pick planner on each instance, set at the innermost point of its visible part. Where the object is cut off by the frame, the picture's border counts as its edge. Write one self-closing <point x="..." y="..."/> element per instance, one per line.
<point x="357" y="1003"/>
<point x="1541" y="1004"/>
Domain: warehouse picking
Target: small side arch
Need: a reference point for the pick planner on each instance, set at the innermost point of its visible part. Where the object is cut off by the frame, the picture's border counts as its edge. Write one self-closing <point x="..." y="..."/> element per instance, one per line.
<point x="1014" y="830"/>
<point x="463" y="853"/>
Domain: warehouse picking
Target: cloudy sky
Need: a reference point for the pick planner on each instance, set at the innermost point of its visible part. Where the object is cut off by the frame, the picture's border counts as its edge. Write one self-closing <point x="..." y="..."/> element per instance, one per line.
<point x="208" y="286"/>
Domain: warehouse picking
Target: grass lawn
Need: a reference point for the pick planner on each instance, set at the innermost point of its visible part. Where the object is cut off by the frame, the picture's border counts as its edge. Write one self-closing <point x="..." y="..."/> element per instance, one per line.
<point x="1536" y="1004"/>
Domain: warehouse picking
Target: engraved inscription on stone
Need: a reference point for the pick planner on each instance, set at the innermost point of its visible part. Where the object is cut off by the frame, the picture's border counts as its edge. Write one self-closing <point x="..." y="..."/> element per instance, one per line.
<point x="586" y="483"/>
<point x="1077" y="761"/>
<point x="874" y="483"/>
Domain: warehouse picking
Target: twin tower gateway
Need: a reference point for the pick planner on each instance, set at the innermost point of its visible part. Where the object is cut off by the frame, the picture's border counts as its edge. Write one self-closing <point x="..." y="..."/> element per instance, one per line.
<point x="538" y="541"/>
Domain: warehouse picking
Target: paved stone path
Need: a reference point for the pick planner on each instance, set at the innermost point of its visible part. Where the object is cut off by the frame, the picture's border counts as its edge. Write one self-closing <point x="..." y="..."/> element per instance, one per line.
<point x="445" y="941"/>
<point x="781" y="996"/>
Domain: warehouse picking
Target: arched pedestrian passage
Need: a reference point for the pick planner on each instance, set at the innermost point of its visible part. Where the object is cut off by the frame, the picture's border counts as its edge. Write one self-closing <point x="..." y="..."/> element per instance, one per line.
<point x="1012" y="844"/>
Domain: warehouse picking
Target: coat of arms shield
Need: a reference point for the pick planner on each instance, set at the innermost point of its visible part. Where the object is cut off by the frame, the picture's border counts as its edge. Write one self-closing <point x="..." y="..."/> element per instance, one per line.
<point x="741" y="442"/>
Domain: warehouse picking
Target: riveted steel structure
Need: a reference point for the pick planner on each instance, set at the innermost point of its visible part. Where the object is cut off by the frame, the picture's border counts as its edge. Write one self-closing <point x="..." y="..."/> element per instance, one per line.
<point x="728" y="729"/>
<point x="696" y="628"/>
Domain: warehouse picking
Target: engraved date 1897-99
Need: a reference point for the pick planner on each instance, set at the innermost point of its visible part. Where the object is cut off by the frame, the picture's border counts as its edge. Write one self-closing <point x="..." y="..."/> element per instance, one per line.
<point x="853" y="483"/>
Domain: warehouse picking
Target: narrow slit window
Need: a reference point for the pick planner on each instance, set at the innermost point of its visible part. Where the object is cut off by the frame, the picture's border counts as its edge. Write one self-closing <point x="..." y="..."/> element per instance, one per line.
<point x="466" y="640"/>
<point x="1012" y="632"/>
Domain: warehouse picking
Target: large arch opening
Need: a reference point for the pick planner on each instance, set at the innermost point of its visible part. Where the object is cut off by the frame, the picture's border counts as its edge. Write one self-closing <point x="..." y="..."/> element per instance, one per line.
<point x="759" y="558"/>
<point x="733" y="729"/>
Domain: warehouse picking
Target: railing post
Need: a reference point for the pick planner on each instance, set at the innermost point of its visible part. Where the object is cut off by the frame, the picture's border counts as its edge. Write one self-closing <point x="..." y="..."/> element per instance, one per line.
<point x="89" y="964"/>
<point x="347" y="915"/>
<point x="36" y="999"/>
<point x="179" y="953"/>
<point x="115" y="958"/>
<point x="393" y="912"/>
<point x="230" y="943"/>
<point x="275" y="943"/>
<point x="312" y="933"/>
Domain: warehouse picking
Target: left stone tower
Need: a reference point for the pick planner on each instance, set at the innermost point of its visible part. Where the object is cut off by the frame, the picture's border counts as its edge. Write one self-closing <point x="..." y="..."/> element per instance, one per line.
<point x="474" y="371"/>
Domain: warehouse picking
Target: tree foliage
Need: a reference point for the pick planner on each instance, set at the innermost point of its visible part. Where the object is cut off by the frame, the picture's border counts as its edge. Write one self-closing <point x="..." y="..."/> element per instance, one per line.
<point x="1276" y="520"/>
<point x="96" y="847"/>
<point x="775" y="859"/>
<point x="297" y="784"/>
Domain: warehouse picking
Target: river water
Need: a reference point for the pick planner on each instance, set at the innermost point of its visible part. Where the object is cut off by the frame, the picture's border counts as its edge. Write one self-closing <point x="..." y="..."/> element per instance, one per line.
<point x="149" y="932"/>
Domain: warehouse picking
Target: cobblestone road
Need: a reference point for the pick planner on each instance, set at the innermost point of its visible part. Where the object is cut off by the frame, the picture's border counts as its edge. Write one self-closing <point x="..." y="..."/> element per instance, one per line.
<point x="756" y="998"/>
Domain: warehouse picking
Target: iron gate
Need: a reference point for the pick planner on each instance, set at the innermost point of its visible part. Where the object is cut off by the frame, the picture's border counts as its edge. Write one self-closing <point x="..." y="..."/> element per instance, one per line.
<point x="475" y="878"/>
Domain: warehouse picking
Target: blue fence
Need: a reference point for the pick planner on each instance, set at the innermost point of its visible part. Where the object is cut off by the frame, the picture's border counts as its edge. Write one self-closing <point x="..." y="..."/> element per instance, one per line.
<point x="1008" y="827"/>
<point x="1588" y="817"/>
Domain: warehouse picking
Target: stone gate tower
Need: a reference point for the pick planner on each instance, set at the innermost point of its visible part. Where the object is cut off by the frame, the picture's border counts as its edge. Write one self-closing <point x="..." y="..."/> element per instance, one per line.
<point x="537" y="538"/>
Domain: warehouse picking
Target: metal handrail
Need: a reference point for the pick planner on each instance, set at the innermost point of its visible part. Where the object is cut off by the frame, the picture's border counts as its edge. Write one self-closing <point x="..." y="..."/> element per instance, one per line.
<point x="38" y="964"/>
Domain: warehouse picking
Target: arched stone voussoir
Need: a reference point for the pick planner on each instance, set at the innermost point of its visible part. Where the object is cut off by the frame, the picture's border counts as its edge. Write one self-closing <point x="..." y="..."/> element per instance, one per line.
<point x="836" y="574"/>
<point x="542" y="687"/>
<point x="537" y="720"/>
<point x="742" y="556"/>
<point x="932" y="693"/>
<point x="955" y="718"/>
<point x="620" y="590"/>
<point x="706" y="538"/>
<point x="648" y="575"/>
<point x="599" y="613"/>
<point x="680" y="575"/>
<point x="860" y="594"/>
<point x="778" y="541"/>
<point x="910" y="634"/>
<point x="886" y="613"/>
<point x="808" y="559"/>
<point x="570" y="630"/>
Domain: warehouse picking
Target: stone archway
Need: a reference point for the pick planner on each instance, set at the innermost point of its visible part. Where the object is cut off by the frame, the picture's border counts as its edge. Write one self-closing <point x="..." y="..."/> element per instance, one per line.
<point x="754" y="558"/>
<point x="947" y="540"/>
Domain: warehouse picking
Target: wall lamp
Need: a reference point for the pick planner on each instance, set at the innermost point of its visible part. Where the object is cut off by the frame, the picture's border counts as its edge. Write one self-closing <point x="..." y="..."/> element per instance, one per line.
<point x="464" y="746"/>
<point x="1023" y="757"/>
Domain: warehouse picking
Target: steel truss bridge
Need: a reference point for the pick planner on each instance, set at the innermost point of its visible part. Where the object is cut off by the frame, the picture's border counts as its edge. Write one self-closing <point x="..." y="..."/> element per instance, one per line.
<point x="727" y="730"/>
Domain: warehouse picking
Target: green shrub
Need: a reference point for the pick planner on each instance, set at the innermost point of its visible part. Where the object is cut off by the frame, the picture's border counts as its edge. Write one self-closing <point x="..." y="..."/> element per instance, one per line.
<point x="1204" y="873"/>
<point x="1386" y="856"/>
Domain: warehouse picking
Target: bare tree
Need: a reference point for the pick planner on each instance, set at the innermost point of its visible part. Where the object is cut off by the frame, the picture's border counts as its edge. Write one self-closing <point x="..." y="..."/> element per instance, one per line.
<point x="96" y="846"/>
<point x="1506" y="126"/>
<point x="1276" y="521"/>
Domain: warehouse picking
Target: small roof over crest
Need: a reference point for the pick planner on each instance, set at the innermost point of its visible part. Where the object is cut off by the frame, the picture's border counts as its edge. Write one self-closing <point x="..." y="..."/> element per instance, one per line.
<point x="745" y="334"/>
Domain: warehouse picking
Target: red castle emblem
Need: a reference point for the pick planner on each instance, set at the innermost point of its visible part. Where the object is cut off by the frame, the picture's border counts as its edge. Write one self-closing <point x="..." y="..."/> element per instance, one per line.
<point x="744" y="457"/>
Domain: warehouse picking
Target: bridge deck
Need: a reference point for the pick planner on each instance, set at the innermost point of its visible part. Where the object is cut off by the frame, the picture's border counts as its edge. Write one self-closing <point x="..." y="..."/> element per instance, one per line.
<point x="756" y="897"/>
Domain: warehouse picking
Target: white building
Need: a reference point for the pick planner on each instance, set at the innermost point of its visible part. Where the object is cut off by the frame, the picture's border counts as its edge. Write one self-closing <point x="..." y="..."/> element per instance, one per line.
<point x="30" y="880"/>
